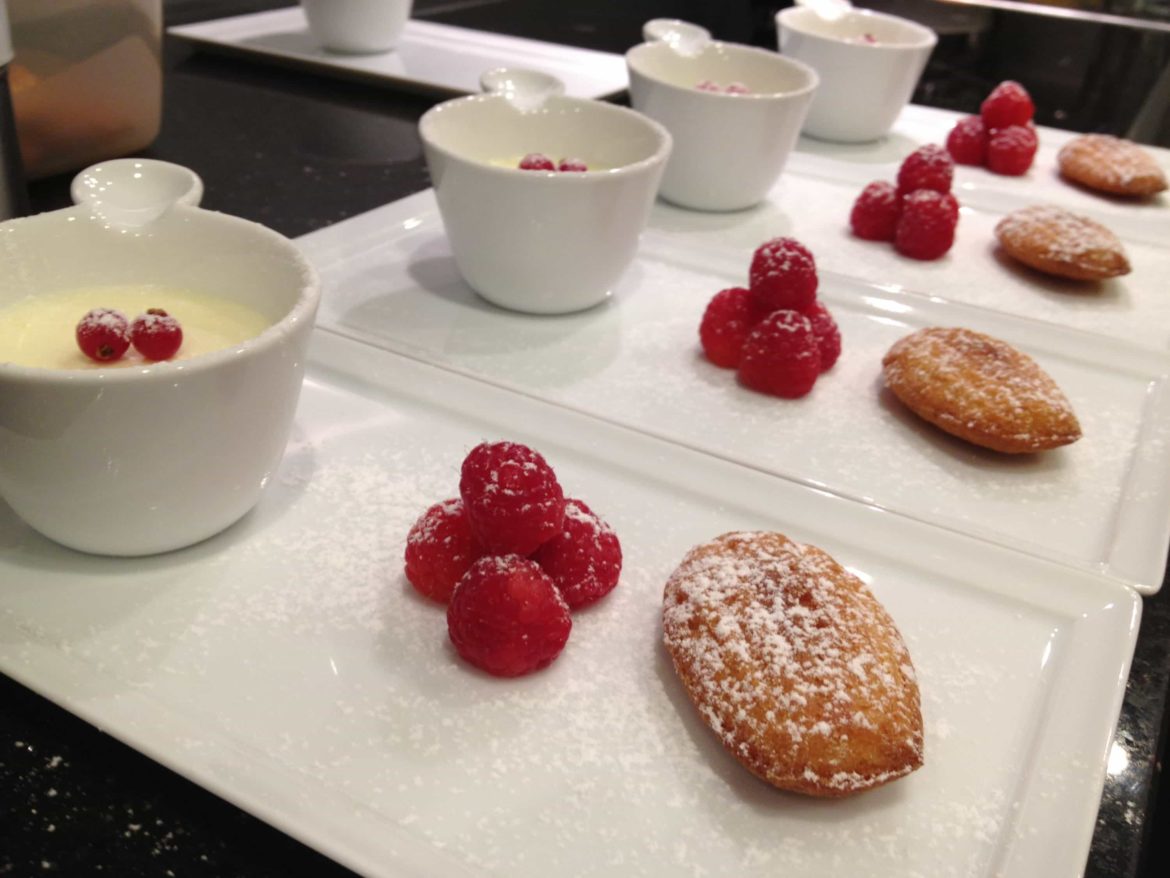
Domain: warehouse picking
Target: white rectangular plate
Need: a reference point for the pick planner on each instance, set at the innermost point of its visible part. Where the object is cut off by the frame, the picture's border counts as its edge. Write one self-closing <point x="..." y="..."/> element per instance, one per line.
<point x="431" y="57"/>
<point x="286" y="665"/>
<point x="1140" y="220"/>
<point x="1101" y="503"/>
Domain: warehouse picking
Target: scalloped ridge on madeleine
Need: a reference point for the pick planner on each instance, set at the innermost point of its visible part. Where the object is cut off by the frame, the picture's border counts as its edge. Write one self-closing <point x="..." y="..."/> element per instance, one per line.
<point x="794" y="664"/>
<point x="980" y="389"/>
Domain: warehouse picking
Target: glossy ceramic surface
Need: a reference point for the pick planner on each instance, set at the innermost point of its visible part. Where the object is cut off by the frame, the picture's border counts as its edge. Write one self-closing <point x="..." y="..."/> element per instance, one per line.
<point x="864" y="85"/>
<point x="1100" y="504"/>
<point x="542" y="242"/>
<point x="287" y="665"/>
<point x="729" y="149"/>
<point x="145" y="460"/>
<point x="429" y="57"/>
<point x="357" y="26"/>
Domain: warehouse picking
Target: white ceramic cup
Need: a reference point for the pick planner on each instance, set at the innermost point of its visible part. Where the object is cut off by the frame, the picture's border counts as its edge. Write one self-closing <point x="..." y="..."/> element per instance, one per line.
<point x="729" y="149"/>
<point x="864" y="85"/>
<point x="134" y="461"/>
<point x="357" y="26"/>
<point x="543" y="242"/>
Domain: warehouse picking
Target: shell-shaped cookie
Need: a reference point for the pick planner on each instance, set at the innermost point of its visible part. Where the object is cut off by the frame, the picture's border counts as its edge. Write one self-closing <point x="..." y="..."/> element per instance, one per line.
<point x="980" y="389"/>
<point x="1111" y="164"/>
<point x="794" y="664"/>
<point x="1057" y="242"/>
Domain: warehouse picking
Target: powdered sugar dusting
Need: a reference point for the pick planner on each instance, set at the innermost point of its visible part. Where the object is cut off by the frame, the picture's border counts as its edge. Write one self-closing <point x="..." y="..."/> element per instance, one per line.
<point x="1057" y="233"/>
<point x="980" y="388"/>
<point x="778" y="645"/>
<point x="1113" y="162"/>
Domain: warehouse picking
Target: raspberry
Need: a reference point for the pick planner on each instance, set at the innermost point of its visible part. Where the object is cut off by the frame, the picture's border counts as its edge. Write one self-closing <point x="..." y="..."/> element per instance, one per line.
<point x="708" y="85"/>
<point x="156" y="334"/>
<point x="875" y="212"/>
<point x="737" y="88"/>
<point x="926" y="229"/>
<point x="780" y="356"/>
<point x="1008" y="104"/>
<point x="584" y="560"/>
<point x="1010" y="150"/>
<point x="440" y="549"/>
<point x="572" y="165"/>
<point x="928" y="167"/>
<point x="827" y="334"/>
<point x="512" y="498"/>
<point x="783" y="274"/>
<point x="726" y="323"/>
<point x="103" y="334"/>
<point x="506" y="617"/>
<point x="967" y="142"/>
<point x="536" y="161"/>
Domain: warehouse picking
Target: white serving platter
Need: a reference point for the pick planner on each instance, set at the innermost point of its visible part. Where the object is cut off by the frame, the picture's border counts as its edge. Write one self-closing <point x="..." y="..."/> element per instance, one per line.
<point x="1134" y="308"/>
<point x="1145" y="220"/>
<point x="431" y="57"/>
<point x="287" y="666"/>
<point x="1100" y="504"/>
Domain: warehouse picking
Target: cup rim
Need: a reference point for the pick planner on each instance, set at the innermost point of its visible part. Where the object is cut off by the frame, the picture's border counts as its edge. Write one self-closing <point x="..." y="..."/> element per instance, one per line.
<point x="427" y="121"/>
<point x="927" y="38"/>
<point x="814" y="78"/>
<point x="168" y="370"/>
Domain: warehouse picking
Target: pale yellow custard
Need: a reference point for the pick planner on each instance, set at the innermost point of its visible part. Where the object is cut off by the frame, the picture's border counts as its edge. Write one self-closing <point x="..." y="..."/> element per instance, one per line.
<point x="40" y="330"/>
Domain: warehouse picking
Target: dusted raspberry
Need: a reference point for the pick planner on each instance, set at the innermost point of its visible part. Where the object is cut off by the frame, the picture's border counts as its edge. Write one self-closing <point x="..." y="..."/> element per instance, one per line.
<point x="536" y="161"/>
<point x="967" y="142"/>
<point x="928" y="167"/>
<point x="827" y="334"/>
<point x="1011" y="150"/>
<point x="781" y="356"/>
<point x="1008" y="104"/>
<point x="573" y="165"/>
<point x="440" y="549"/>
<point x="729" y="317"/>
<point x="708" y="85"/>
<point x="103" y="334"/>
<point x="737" y="88"/>
<point x="156" y="334"/>
<point x="585" y="559"/>
<point x="926" y="229"/>
<point x="506" y="617"/>
<point x="783" y="274"/>
<point x="875" y="212"/>
<point x="512" y="498"/>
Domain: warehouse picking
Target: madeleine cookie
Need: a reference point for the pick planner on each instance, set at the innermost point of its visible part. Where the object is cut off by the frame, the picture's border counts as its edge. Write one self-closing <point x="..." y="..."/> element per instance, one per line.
<point x="794" y="664"/>
<point x="980" y="389"/>
<point x="1057" y="242"/>
<point x="1110" y="164"/>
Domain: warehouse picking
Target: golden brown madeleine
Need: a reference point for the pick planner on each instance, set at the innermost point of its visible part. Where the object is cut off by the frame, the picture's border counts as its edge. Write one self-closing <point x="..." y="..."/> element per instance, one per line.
<point x="1057" y="242"/>
<point x="1111" y="164"/>
<point x="794" y="663"/>
<point x="980" y="389"/>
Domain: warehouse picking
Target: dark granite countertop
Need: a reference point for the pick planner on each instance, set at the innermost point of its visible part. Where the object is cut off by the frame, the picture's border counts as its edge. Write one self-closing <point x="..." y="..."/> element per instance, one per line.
<point x="298" y="152"/>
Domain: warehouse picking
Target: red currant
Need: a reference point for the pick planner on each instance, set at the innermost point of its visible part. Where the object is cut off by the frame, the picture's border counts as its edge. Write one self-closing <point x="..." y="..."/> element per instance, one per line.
<point x="572" y="165"/>
<point x="156" y="334"/>
<point x="536" y="161"/>
<point x="103" y="335"/>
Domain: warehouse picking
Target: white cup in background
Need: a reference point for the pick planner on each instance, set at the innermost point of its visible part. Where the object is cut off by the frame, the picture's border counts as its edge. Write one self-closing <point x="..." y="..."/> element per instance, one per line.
<point x="729" y="149"/>
<point x="357" y="26"/>
<point x="868" y="62"/>
<point x="543" y="242"/>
